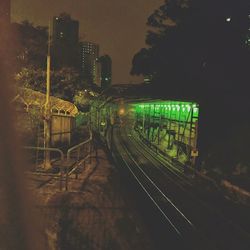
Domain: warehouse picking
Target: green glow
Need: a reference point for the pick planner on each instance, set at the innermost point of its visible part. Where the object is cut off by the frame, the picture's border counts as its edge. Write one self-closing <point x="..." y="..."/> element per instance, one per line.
<point x="172" y="110"/>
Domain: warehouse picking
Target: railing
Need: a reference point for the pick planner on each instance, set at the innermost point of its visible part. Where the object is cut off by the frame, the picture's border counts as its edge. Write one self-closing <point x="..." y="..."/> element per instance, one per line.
<point x="79" y="154"/>
<point x="61" y="158"/>
<point x="75" y="157"/>
<point x="57" y="150"/>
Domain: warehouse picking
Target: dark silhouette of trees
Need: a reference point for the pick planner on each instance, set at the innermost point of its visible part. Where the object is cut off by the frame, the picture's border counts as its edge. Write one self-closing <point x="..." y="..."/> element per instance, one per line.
<point x="31" y="54"/>
<point x="65" y="82"/>
<point x="197" y="46"/>
<point x="199" y="50"/>
<point x="32" y="44"/>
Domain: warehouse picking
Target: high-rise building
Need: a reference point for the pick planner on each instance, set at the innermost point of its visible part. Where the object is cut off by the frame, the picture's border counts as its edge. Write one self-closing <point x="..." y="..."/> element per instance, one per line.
<point x="89" y="53"/>
<point x="5" y="11"/>
<point x="65" y="42"/>
<point x="106" y="71"/>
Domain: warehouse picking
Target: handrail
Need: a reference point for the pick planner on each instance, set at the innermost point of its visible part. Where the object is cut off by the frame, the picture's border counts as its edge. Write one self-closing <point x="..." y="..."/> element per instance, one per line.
<point x="51" y="150"/>
<point x="79" y="145"/>
<point x="47" y="149"/>
<point x="66" y="169"/>
<point x="82" y="160"/>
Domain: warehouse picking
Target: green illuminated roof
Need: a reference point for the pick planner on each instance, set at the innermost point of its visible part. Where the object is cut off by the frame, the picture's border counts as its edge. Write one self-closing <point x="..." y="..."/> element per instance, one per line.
<point x="177" y="110"/>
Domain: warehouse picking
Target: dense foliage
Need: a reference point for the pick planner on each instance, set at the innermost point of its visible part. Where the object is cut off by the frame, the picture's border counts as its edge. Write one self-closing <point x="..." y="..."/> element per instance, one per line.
<point x="195" y="46"/>
<point x="31" y="55"/>
<point x="32" y="44"/>
<point x="199" y="50"/>
<point x="65" y="82"/>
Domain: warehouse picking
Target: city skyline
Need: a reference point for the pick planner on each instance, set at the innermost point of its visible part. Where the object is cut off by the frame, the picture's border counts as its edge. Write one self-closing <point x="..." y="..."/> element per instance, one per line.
<point x="119" y="28"/>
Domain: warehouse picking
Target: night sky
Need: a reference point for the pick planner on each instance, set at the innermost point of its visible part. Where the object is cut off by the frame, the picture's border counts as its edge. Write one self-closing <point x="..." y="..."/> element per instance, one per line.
<point x="118" y="26"/>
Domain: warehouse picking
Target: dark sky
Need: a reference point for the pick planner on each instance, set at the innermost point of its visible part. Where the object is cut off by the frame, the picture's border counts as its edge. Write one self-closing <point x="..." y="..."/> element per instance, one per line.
<point x="119" y="26"/>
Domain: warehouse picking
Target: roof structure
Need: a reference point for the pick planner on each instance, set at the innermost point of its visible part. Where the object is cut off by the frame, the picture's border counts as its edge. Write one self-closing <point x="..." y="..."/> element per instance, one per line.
<point x="36" y="100"/>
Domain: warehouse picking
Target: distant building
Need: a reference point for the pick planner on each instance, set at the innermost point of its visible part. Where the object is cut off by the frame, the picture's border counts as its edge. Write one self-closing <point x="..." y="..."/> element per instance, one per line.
<point x="98" y="78"/>
<point x="106" y="71"/>
<point x="65" y="42"/>
<point x="90" y="71"/>
<point x="5" y="11"/>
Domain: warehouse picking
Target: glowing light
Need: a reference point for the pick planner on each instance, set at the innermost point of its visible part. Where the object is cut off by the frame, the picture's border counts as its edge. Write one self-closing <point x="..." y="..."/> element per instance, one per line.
<point x="121" y="111"/>
<point x="228" y="19"/>
<point x="179" y="110"/>
<point x="188" y="107"/>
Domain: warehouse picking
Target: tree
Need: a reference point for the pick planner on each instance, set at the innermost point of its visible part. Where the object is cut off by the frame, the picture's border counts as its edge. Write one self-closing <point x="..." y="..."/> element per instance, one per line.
<point x="64" y="82"/>
<point x="197" y="50"/>
<point x="32" y="44"/>
<point x="196" y="46"/>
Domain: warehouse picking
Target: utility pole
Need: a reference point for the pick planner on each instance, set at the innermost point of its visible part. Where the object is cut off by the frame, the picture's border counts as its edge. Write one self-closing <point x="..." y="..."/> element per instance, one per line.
<point x="47" y="111"/>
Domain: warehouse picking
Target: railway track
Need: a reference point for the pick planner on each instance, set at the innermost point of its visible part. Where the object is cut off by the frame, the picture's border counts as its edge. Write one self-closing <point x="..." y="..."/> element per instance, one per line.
<point x="181" y="228"/>
<point x="201" y="226"/>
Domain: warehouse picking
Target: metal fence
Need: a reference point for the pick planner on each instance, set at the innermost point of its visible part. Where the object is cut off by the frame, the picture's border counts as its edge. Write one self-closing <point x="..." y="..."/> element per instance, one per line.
<point x="62" y="167"/>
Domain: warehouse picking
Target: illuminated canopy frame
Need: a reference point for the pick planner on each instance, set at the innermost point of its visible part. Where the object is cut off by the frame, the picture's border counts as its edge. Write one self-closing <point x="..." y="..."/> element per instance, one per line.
<point x="178" y="119"/>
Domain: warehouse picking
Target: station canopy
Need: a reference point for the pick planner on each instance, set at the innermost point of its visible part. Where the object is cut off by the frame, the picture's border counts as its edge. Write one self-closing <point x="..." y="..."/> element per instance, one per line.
<point x="36" y="100"/>
<point x="176" y="108"/>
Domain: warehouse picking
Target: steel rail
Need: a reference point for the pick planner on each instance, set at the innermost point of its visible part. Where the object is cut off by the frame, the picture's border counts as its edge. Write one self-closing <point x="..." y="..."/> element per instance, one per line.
<point x="148" y="194"/>
<point x="237" y="227"/>
<point x="156" y="186"/>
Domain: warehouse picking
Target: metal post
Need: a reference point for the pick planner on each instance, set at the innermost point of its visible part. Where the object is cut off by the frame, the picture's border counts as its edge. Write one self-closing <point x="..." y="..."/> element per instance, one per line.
<point x="190" y="132"/>
<point x="169" y="127"/>
<point x="153" y="128"/>
<point x="159" y="128"/>
<point x="67" y="177"/>
<point x="195" y="143"/>
<point x="143" y="120"/>
<point x="148" y="123"/>
<point x="178" y="134"/>
<point x="47" y="113"/>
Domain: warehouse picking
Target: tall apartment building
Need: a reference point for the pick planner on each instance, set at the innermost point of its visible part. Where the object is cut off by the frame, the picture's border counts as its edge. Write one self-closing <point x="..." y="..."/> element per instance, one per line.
<point x="106" y="71"/>
<point x="89" y="54"/>
<point x="65" y="42"/>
